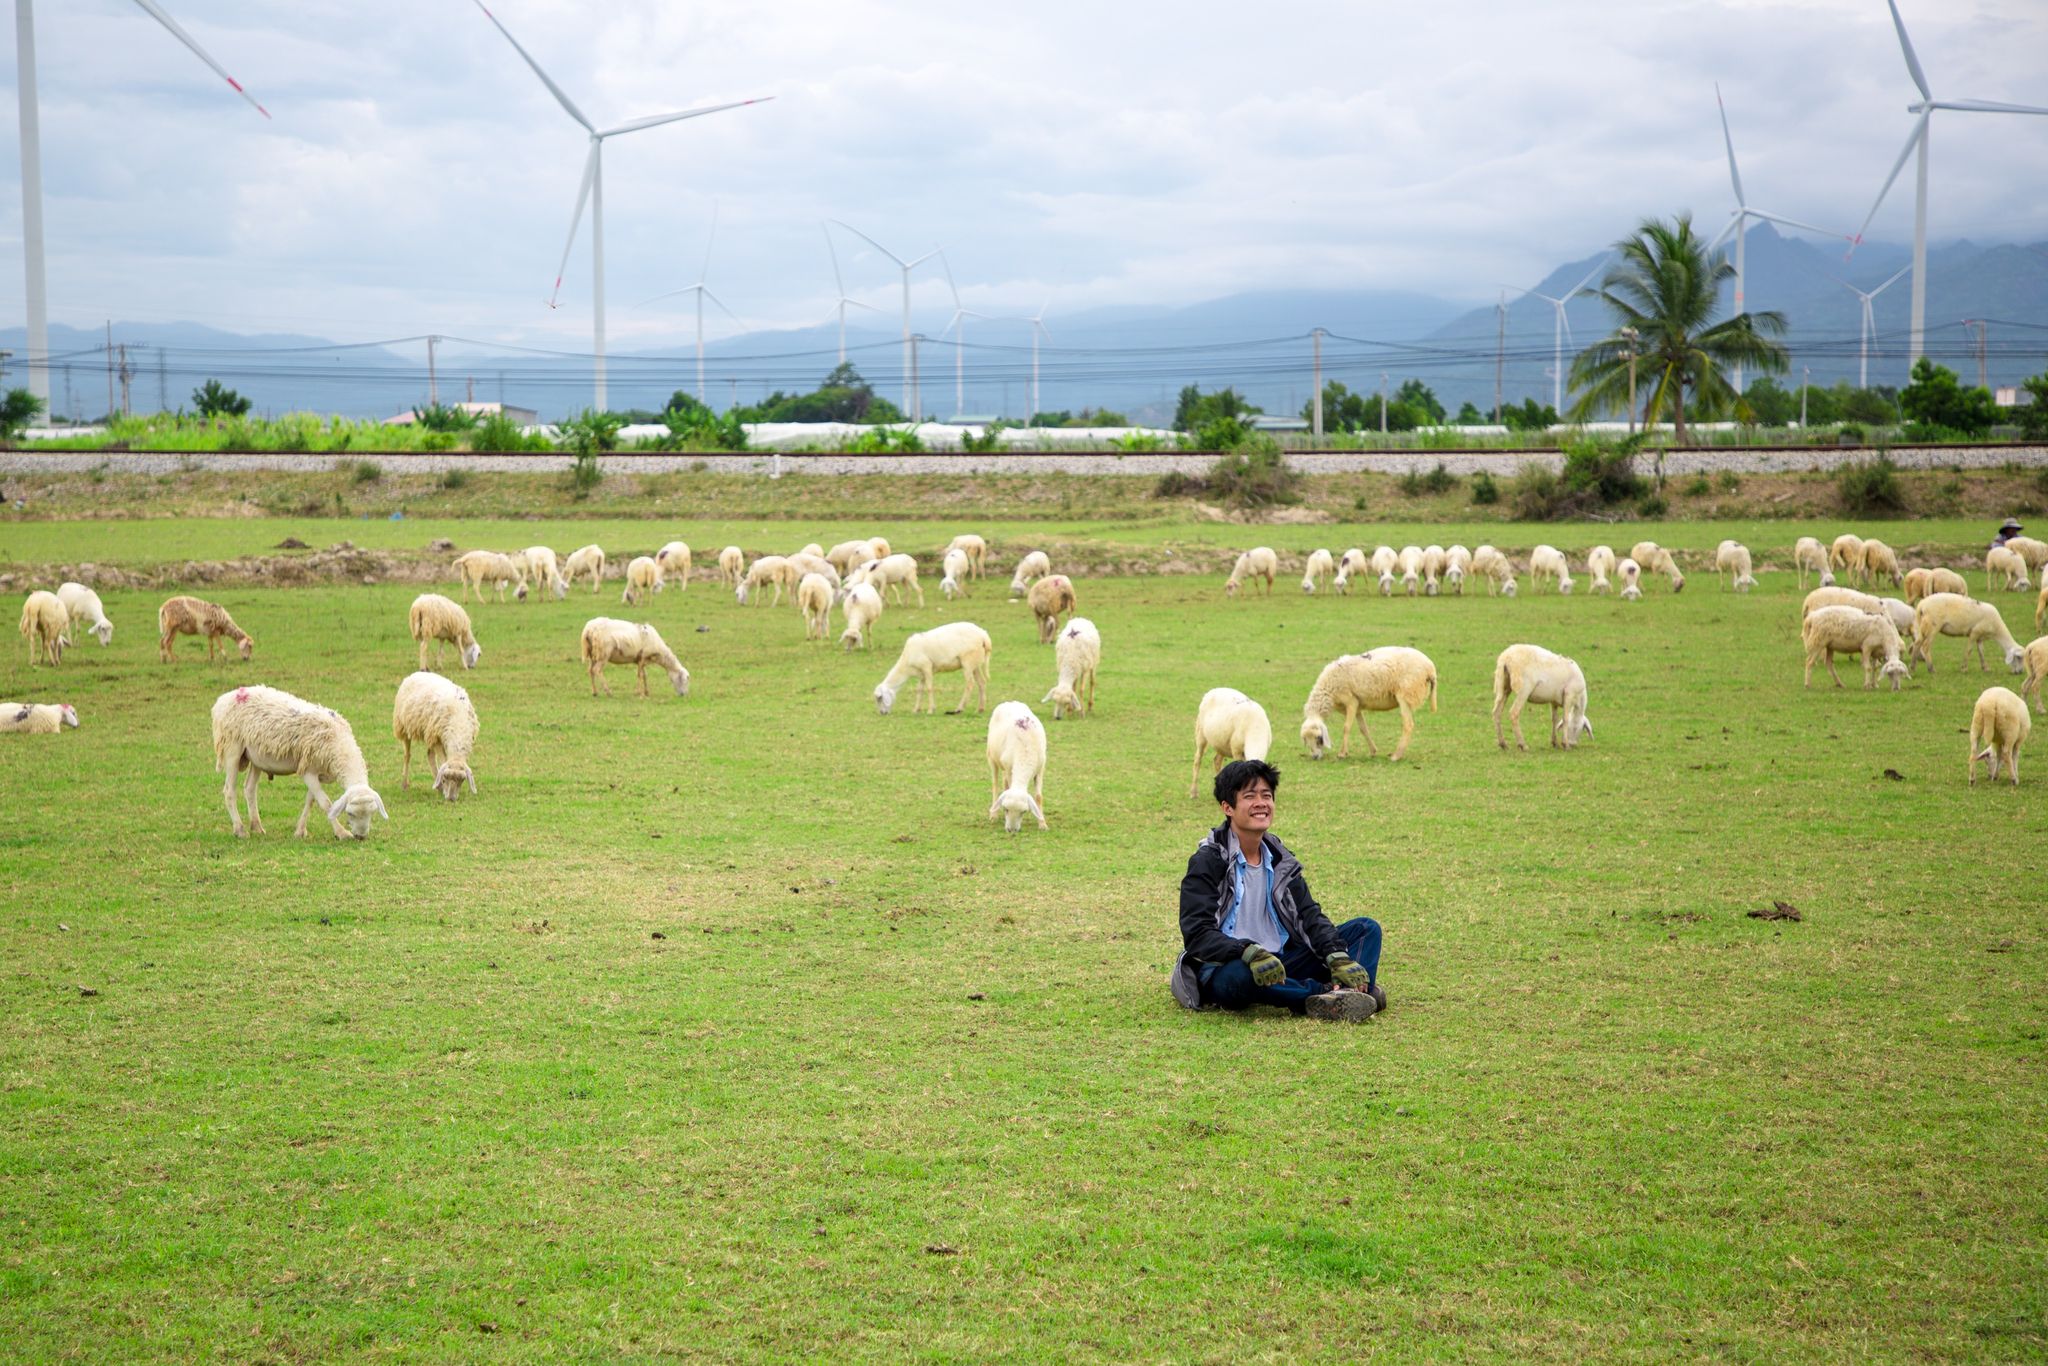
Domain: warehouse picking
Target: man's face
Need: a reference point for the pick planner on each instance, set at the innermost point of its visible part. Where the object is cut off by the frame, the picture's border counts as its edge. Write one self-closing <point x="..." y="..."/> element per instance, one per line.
<point x="1252" y="812"/>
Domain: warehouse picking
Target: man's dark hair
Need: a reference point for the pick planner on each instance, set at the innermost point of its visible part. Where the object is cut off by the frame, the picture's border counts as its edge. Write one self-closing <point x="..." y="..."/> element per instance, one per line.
<point x="1239" y="774"/>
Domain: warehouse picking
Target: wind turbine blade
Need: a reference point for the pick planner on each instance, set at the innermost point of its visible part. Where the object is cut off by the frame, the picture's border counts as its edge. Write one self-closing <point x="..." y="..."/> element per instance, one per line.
<point x="1912" y="141"/>
<point x="709" y="238"/>
<point x="1906" y="46"/>
<point x="1734" y="175"/>
<point x="1903" y="270"/>
<point x="721" y="303"/>
<point x="837" y="279"/>
<point x="1729" y="227"/>
<point x="858" y="304"/>
<point x="560" y="95"/>
<point x="669" y="294"/>
<point x="576" y="219"/>
<point x="911" y="265"/>
<point x="958" y="314"/>
<point x="1598" y="266"/>
<point x="946" y="265"/>
<point x="1795" y="223"/>
<point x="156" y="12"/>
<point x="656" y="120"/>
<point x="1988" y="107"/>
<point x="873" y="243"/>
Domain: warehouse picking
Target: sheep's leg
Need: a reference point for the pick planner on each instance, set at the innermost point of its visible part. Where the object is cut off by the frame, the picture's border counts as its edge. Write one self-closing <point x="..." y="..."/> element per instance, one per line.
<point x="1981" y="665"/>
<point x="997" y="779"/>
<point x="1372" y="750"/>
<point x="1500" y="740"/>
<point x="918" y="589"/>
<point x="1350" y="716"/>
<point x="1831" y="666"/>
<point x="312" y="787"/>
<point x="1091" y="694"/>
<point x="405" y="769"/>
<point x="1408" y="730"/>
<point x="230" y="762"/>
<point x="643" y="678"/>
<point x="1514" y="720"/>
<point x="1195" y="773"/>
<point x="250" y="786"/>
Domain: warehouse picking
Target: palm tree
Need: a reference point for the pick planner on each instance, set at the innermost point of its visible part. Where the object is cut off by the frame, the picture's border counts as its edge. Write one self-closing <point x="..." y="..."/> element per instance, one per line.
<point x="1665" y="290"/>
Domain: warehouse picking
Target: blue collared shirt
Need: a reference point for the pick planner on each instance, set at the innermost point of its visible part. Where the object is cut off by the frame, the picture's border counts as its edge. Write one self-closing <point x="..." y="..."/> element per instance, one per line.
<point x="1251" y="915"/>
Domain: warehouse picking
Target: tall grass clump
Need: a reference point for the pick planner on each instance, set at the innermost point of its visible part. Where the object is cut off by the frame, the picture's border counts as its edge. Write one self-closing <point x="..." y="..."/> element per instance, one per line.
<point x="1871" y="489"/>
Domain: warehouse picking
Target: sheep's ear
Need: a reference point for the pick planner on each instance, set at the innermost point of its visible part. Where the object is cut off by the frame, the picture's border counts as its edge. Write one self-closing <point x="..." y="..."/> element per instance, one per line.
<point x="1035" y="809"/>
<point x="1586" y="725"/>
<point x="381" y="811"/>
<point x="472" y="781"/>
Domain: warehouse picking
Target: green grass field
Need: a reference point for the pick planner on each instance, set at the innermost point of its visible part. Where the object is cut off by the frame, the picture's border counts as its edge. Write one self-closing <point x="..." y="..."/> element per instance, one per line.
<point x="728" y="1027"/>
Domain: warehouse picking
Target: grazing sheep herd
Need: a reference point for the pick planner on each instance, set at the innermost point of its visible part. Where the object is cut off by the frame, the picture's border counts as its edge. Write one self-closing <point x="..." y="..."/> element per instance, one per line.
<point x="264" y="731"/>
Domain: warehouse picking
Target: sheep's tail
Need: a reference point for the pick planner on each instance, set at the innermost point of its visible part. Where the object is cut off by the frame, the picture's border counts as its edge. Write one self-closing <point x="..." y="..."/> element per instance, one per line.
<point x="1500" y="683"/>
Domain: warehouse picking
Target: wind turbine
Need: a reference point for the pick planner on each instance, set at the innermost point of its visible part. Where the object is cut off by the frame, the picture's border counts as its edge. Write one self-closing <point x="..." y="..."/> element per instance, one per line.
<point x="1925" y="108"/>
<point x="1560" y="330"/>
<point x="1738" y="221"/>
<point x="703" y="292"/>
<point x="1869" y="322"/>
<point x="1037" y="330"/>
<point x="906" y="267"/>
<point x="592" y="191"/>
<point x="961" y="314"/>
<point x="38" y="359"/>
<point x="839" y="282"/>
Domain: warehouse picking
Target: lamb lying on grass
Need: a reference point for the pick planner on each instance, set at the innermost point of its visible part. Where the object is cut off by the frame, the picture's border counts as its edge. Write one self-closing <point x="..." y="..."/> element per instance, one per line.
<point x="1231" y="724"/>
<point x="958" y="645"/>
<point x="36" y="718"/>
<point x="438" y="619"/>
<point x="1016" y="766"/>
<point x="189" y="616"/>
<point x="1389" y="678"/>
<point x="1950" y="614"/>
<point x="46" y="626"/>
<point x="259" y="730"/>
<point x="1530" y="673"/>
<point x="1999" y="725"/>
<point x="607" y="640"/>
<point x="1078" y="653"/>
<point x="1829" y="631"/>
<point x="86" y="611"/>
<point x="436" y="713"/>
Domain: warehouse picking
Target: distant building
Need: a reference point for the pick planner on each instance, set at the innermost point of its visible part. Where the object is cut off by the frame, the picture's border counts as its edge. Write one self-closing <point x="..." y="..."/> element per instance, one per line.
<point x="2012" y="396"/>
<point x="525" y="417"/>
<point x="1271" y="422"/>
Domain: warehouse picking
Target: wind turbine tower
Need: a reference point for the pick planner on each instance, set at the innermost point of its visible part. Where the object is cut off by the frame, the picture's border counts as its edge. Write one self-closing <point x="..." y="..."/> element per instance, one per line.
<point x="38" y="358"/>
<point x="958" y="326"/>
<point x="1561" y="329"/>
<point x="909" y="404"/>
<point x="1869" y="322"/>
<point x="592" y="192"/>
<point x="1917" y="140"/>
<point x="703" y="291"/>
<point x="839" y="283"/>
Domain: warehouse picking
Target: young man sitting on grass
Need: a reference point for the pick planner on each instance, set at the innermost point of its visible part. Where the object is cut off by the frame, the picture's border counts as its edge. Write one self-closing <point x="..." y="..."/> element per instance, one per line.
<point x="1253" y="934"/>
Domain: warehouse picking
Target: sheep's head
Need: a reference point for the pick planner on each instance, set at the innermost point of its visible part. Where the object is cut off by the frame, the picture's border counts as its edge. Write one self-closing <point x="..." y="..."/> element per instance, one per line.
<point x="452" y="775"/>
<point x="1677" y="582"/>
<point x="248" y="648"/>
<point x="1565" y="585"/>
<point x="1743" y="583"/>
<point x="1628" y="594"/>
<point x="2015" y="659"/>
<point x="1507" y="590"/>
<point x="561" y="588"/>
<point x="1315" y="736"/>
<point x="520" y="593"/>
<point x="1409" y="581"/>
<point x="1063" y="700"/>
<point x="1896" y="671"/>
<point x="105" y="630"/>
<point x="68" y="714"/>
<point x="471" y="654"/>
<point x="677" y="675"/>
<point x="352" y="811"/>
<point x="1229" y="588"/>
<point x="741" y="594"/>
<point x="948" y="586"/>
<point x="885" y="698"/>
<point x="1016" y="804"/>
<point x="1455" y="577"/>
<point x="1429" y="588"/>
<point x="1827" y="578"/>
<point x="1387" y="585"/>
<point x="1308" y="585"/>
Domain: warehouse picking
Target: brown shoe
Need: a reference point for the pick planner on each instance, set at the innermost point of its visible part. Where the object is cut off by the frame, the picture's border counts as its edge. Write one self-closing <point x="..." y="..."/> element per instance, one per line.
<point x="1354" y="1006"/>
<point x="1379" y="993"/>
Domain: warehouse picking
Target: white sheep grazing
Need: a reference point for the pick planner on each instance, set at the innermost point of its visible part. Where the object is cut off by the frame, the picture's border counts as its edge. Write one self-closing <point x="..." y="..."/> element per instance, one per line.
<point x="1078" y="652"/>
<point x="1496" y="566"/>
<point x="1846" y="554"/>
<point x="1631" y="575"/>
<point x="1548" y="562"/>
<point x="1232" y="725"/>
<point x="1951" y="614"/>
<point x="2036" y="656"/>
<point x="85" y="609"/>
<point x="814" y="596"/>
<point x="259" y="730"/>
<point x="1828" y="631"/>
<point x="1385" y="560"/>
<point x="184" y="615"/>
<point x="1809" y="555"/>
<point x="607" y="640"/>
<point x="2000" y="724"/>
<point x="974" y="548"/>
<point x="803" y="563"/>
<point x="434" y="712"/>
<point x="1530" y="673"/>
<point x="1732" y="558"/>
<point x="1432" y="569"/>
<point x="674" y="559"/>
<point x="957" y="645"/>
<point x="893" y="573"/>
<point x="957" y="570"/>
<point x="2000" y="559"/>
<point x="2034" y="552"/>
<point x="1257" y="563"/>
<point x="438" y="619"/>
<point x="1666" y="563"/>
<point x="36" y="718"/>
<point x="847" y="554"/>
<point x="863" y="607"/>
<point x="732" y="564"/>
<point x="484" y="569"/>
<point x="1644" y="553"/>
<point x="2041" y="603"/>
<point x="1320" y="564"/>
<point x="812" y="549"/>
<point x="1016" y="766"/>
<point x="545" y="570"/>
<point x="1881" y="562"/>
<point x="643" y="576"/>
<point x="1900" y="613"/>
<point x="46" y="626"/>
<point x="1389" y="678"/>
<point x="1387" y="584"/>
<point x="1410" y="566"/>
<point x="1351" y="563"/>
<point x="1600" y="563"/>
<point x="1034" y="566"/>
<point x="589" y="560"/>
<point x="878" y="547"/>
<point x="770" y="571"/>
<point x="1049" y="597"/>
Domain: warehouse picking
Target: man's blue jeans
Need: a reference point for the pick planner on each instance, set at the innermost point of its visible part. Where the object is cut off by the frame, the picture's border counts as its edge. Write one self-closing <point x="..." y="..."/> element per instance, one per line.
<point x="1230" y="985"/>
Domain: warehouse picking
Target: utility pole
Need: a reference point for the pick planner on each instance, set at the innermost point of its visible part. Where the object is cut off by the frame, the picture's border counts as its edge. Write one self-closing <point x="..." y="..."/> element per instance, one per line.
<point x="1500" y="351"/>
<point x="734" y="380"/>
<point x="916" y="413"/>
<point x="3" y="364"/>
<point x="1983" y="368"/>
<point x="70" y="399"/>
<point x="1805" y="378"/>
<point x="1383" y="403"/>
<point x="110" y="369"/>
<point x="127" y="373"/>
<point x="1316" y="428"/>
<point x="472" y="390"/>
<point x="163" y="382"/>
<point x="1633" y="337"/>
<point x="433" y="390"/>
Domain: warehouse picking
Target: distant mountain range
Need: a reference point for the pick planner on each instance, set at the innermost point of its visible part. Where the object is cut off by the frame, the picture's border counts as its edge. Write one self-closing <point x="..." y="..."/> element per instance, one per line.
<point x="1130" y="359"/>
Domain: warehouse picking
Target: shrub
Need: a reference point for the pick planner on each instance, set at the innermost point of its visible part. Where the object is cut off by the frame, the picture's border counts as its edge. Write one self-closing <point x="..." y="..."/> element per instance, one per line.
<point x="454" y="479"/>
<point x="1484" y="490"/>
<point x="1174" y="484"/>
<point x="1256" y="474"/>
<point x="497" y="432"/>
<point x="17" y="410"/>
<point x="584" y="474"/>
<point x="1139" y="441"/>
<point x="443" y="417"/>
<point x="1653" y="507"/>
<point x="1606" y="473"/>
<point x="366" y="472"/>
<point x="213" y="399"/>
<point x="1700" y="487"/>
<point x="1538" y="494"/>
<point x="1438" y="480"/>
<point x="1729" y="481"/>
<point x="1870" y="489"/>
<point x="886" y="441"/>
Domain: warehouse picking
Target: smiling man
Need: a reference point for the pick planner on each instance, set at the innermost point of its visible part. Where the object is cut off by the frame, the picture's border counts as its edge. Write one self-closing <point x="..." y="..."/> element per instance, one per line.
<point x="1252" y="933"/>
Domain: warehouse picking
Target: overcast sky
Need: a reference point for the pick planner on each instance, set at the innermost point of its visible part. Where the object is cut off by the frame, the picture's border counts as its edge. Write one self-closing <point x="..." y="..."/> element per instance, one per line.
<point x="417" y="177"/>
